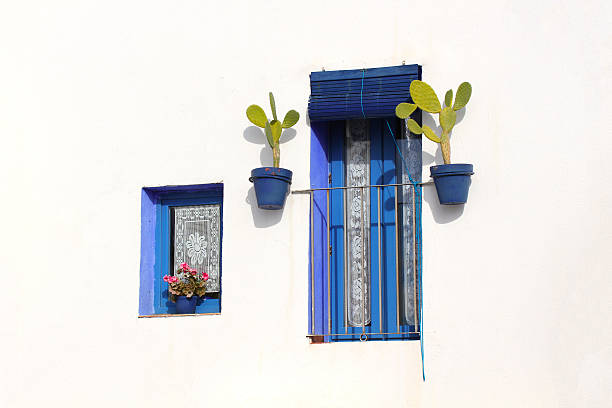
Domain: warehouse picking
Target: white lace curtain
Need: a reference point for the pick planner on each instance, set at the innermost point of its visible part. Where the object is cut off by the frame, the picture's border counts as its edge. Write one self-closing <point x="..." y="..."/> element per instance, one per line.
<point x="197" y="240"/>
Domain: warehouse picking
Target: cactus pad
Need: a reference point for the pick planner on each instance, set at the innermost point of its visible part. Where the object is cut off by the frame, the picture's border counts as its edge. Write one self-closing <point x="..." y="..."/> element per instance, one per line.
<point x="403" y="110"/>
<point x="269" y="134"/>
<point x="273" y="106"/>
<point x="447" y="119"/>
<point x="431" y="135"/>
<point x="277" y="129"/>
<point x="464" y="92"/>
<point x="291" y="119"/>
<point x="414" y="127"/>
<point x="424" y="96"/>
<point x="448" y="98"/>
<point x="257" y="116"/>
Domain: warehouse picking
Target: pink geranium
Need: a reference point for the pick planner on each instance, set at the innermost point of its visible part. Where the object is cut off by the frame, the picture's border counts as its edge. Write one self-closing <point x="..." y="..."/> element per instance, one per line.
<point x="185" y="266"/>
<point x="173" y="279"/>
<point x="204" y="276"/>
<point x="166" y="278"/>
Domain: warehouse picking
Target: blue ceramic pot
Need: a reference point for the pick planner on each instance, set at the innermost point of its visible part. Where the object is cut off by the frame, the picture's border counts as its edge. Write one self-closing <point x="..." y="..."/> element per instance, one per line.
<point x="186" y="305"/>
<point x="271" y="186"/>
<point x="452" y="182"/>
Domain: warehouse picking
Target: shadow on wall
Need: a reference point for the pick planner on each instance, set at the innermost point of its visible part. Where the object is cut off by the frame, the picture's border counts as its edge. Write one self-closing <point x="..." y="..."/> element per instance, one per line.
<point x="262" y="218"/>
<point x="256" y="135"/>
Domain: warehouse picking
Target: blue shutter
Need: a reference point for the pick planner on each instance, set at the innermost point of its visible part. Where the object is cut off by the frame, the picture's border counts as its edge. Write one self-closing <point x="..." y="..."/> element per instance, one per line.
<point x="358" y="93"/>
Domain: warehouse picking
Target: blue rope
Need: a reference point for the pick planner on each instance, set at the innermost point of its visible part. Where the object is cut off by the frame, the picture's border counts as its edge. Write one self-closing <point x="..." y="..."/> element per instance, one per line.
<point x="417" y="219"/>
<point x="361" y="98"/>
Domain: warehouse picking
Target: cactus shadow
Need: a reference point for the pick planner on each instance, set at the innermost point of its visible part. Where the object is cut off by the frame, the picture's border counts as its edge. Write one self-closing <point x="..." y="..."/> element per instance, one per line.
<point x="442" y="214"/>
<point x="256" y="135"/>
<point x="262" y="218"/>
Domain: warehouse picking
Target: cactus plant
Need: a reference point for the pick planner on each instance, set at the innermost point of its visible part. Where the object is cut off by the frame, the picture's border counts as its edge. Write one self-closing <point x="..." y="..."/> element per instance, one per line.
<point x="273" y="128"/>
<point x="425" y="98"/>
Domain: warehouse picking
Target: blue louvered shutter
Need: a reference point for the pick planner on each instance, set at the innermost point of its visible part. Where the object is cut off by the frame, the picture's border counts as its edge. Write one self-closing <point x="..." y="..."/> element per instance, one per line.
<point x="359" y="93"/>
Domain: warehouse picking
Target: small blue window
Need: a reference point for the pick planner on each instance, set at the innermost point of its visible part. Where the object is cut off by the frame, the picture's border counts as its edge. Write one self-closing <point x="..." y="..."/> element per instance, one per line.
<point x="180" y="224"/>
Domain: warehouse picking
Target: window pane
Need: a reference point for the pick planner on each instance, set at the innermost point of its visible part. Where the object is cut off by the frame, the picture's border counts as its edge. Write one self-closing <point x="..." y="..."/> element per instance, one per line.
<point x="196" y="240"/>
<point x="357" y="173"/>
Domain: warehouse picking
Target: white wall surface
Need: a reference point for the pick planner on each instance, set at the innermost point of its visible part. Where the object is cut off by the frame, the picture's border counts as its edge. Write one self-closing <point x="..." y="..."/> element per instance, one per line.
<point x="101" y="98"/>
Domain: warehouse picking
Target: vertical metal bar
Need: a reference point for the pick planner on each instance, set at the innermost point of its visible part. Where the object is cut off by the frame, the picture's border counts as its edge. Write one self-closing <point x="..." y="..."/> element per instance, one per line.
<point x="362" y="261"/>
<point x="397" y="265"/>
<point x="312" y="286"/>
<point x="329" y="249"/>
<point x="345" y="262"/>
<point x="379" y="266"/>
<point x="414" y="255"/>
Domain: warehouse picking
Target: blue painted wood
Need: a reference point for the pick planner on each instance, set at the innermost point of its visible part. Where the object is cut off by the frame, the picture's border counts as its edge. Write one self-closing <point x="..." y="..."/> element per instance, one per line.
<point x="318" y="178"/>
<point x="349" y="94"/>
<point x="155" y="243"/>
<point x="147" y="253"/>
<point x="382" y="171"/>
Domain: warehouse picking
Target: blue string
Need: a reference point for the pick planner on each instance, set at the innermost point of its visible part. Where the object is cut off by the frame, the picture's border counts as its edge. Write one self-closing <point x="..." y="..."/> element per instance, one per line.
<point x="361" y="98"/>
<point x="417" y="219"/>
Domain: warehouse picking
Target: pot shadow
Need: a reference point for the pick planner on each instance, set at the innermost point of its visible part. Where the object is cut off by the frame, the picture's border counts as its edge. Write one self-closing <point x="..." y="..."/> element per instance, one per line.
<point x="256" y="135"/>
<point x="262" y="218"/>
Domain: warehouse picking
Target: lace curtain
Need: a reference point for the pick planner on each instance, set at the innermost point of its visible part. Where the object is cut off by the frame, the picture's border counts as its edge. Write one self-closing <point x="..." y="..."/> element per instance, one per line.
<point x="357" y="173"/>
<point x="197" y="240"/>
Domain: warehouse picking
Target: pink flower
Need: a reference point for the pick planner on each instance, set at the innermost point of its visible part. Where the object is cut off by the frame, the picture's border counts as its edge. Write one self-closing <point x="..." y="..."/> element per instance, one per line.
<point x="204" y="276"/>
<point x="185" y="266"/>
<point x="194" y="272"/>
<point x="173" y="279"/>
<point x="166" y="278"/>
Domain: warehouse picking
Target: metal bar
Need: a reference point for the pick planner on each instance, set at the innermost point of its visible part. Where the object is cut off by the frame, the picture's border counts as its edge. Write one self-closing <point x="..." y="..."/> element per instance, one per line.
<point x="329" y="322"/>
<point x="414" y="256"/>
<point x="379" y="265"/>
<point x="345" y="263"/>
<point x="362" y="211"/>
<point x="349" y="187"/>
<point x="176" y="315"/>
<point x="353" y="334"/>
<point x="312" y="286"/>
<point x="397" y="266"/>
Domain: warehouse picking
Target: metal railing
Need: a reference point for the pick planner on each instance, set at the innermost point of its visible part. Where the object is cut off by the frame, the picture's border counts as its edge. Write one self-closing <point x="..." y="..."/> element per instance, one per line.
<point x="327" y="221"/>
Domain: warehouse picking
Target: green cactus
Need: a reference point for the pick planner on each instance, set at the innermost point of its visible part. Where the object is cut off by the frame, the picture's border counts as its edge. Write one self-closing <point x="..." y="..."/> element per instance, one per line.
<point x="273" y="128"/>
<point x="425" y="98"/>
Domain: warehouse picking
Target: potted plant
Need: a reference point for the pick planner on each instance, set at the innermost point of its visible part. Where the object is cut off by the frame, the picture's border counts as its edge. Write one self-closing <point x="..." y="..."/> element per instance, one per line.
<point x="452" y="180"/>
<point x="185" y="288"/>
<point x="271" y="183"/>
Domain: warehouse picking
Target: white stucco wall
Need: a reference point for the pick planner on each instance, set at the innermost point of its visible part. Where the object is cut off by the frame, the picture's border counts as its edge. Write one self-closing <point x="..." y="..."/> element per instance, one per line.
<point x="101" y="98"/>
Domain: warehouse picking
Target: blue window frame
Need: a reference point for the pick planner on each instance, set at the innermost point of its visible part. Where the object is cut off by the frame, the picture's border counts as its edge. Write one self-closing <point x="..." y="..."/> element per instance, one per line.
<point x="387" y="273"/>
<point x="390" y="229"/>
<point x="157" y="255"/>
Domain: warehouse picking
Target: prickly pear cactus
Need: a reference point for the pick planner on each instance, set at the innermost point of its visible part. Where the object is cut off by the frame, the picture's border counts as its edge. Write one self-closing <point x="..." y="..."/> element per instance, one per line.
<point x="425" y="98"/>
<point x="272" y="128"/>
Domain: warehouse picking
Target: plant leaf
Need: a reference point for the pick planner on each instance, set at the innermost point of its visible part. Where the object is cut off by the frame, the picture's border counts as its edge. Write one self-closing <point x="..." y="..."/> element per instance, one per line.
<point x="447" y="118"/>
<point x="269" y="134"/>
<point x="448" y="98"/>
<point x="414" y="127"/>
<point x="424" y="96"/>
<point x="464" y="92"/>
<point x="404" y="110"/>
<point x="291" y="119"/>
<point x="277" y="129"/>
<point x="273" y="106"/>
<point x="431" y="135"/>
<point x="257" y="116"/>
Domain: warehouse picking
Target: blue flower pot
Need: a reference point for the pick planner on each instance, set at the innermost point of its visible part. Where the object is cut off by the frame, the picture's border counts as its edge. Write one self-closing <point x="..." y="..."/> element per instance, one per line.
<point x="271" y="186"/>
<point x="186" y="305"/>
<point x="452" y="182"/>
